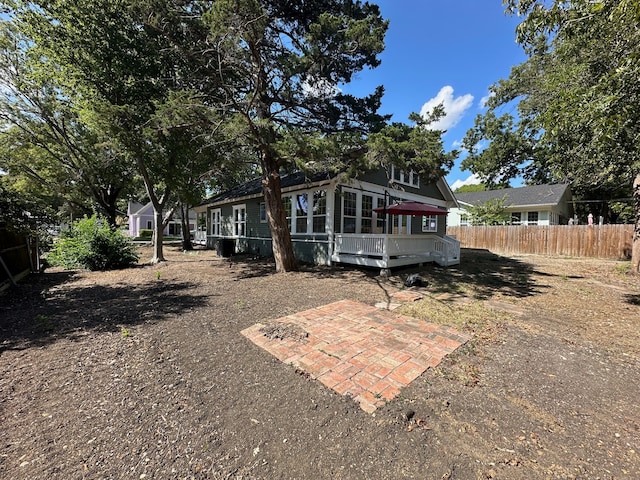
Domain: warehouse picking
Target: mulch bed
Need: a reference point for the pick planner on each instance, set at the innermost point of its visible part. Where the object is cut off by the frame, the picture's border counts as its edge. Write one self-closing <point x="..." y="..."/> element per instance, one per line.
<point x="143" y="373"/>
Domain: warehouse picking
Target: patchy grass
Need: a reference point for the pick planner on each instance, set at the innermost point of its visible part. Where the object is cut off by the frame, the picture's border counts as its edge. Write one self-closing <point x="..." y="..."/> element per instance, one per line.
<point x="470" y="317"/>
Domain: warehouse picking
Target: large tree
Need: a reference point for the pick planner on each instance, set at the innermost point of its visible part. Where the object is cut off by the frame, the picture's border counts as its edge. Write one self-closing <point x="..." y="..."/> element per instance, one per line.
<point x="282" y="65"/>
<point x="125" y="64"/>
<point x="578" y="103"/>
<point x="45" y="146"/>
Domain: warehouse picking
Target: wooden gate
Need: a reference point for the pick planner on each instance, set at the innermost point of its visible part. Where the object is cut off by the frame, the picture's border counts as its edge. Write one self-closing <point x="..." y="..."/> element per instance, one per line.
<point x="18" y="258"/>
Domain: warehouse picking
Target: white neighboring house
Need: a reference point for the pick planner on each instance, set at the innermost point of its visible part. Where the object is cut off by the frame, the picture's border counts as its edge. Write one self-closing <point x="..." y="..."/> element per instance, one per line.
<point x="533" y="205"/>
<point x="141" y="218"/>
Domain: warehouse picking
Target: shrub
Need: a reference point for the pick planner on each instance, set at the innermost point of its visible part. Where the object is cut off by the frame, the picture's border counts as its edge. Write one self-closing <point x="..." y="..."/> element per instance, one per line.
<point x="145" y="234"/>
<point x="92" y="244"/>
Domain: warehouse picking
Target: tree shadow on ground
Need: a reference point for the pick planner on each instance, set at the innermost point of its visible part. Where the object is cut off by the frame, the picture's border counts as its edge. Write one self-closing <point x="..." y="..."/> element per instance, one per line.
<point x="632" y="299"/>
<point x="36" y="314"/>
<point x="481" y="274"/>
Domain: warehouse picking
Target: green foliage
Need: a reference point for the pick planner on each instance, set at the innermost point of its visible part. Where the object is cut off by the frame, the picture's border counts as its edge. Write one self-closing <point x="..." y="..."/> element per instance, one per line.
<point x="577" y="99"/>
<point x="478" y="187"/>
<point x="491" y="212"/>
<point x="145" y="234"/>
<point x="24" y="216"/>
<point x="93" y="245"/>
<point x="415" y="147"/>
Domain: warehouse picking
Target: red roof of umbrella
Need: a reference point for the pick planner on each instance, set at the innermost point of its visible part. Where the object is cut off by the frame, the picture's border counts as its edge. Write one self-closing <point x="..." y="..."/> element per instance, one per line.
<point x="411" y="208"/>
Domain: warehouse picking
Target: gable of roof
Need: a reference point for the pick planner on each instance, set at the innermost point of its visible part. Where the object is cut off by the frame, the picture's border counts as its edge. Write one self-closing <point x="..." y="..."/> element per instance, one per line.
<point x="533" y="195"/>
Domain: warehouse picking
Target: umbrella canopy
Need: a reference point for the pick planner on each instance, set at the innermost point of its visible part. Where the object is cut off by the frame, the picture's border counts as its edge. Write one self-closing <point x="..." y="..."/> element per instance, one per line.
<point x="411" y="208"/>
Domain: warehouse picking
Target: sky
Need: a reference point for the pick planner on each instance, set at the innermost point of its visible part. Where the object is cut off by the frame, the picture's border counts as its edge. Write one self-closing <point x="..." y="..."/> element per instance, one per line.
<point x="442" y="51"/>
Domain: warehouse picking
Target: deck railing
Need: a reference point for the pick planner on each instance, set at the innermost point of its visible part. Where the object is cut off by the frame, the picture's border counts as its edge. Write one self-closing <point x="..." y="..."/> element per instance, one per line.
<point x="389" y="246"/>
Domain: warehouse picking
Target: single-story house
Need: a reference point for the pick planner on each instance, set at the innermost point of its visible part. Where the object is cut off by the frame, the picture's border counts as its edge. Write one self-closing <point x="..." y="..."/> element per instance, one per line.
<point x="533" y="205"/>
<point x="335" y="219"/>
<point x="141" y="217"/>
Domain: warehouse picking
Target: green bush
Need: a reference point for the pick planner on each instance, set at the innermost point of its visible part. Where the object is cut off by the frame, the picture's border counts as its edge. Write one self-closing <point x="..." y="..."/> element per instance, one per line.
<point x="92" y="244"/>
<point x="145" y="234"/>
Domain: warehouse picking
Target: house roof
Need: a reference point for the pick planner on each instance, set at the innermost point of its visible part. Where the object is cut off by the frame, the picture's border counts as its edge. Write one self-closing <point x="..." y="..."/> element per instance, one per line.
<point x="254" y="187"/>
<point x="534" y="195"/>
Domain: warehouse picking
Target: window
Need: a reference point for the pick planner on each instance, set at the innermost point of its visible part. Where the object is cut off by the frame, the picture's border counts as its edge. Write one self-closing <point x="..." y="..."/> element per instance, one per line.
<point x="410" y="178"/>
<point x="239" y="220"/>
<point x="302" y="210"/>
<point x="430" y="223"/>
<point x="263" y="213"/>
<point x="319" y="211"/>
<point x="366" y="225"/>
<point x="286" y="201"/>
<point x="349" y="211"/>
<point x="175" y="229"/>
<point x="149" y="225"/>
<point x="380" y="223"/>
<point x="532" y="218"/>
<point x="516" y="218"/>
<point x="216" y="221"/>
<point x="464" y="220"/>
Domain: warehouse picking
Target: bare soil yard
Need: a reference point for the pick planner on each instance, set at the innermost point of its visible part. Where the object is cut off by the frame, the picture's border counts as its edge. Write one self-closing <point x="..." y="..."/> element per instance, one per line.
<point x="143" y="373"/>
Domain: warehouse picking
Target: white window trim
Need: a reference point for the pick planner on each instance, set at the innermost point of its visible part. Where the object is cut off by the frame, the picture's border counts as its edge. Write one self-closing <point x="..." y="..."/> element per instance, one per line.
<point x="263" y="209"/>
<point x="375" y="216"/>
<point x="309" y="215"/>
<point x="235" y="222"/>
<point x="216" y="226"/>
<point x="426" y="224"/>
<point x="406" y="178"/>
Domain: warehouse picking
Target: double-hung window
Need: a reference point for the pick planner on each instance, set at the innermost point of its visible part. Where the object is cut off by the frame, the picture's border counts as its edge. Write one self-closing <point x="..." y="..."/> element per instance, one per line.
<point x="366" y="224"/>
<point x="532" y="218"/>
<point x="286" y="202"/>
<point x="263" y="212"/>
<point x="380" y="222"/>
<point x="239" y="220"/>
<point x="216" y="222"/>
<point x="349" y="211"/>
<point x="302" y="210"/>
<point x="320" y="211"/>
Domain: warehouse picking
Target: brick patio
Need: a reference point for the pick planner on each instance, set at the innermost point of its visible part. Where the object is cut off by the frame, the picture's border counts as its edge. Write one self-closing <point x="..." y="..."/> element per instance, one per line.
<point x="358" y="350"/>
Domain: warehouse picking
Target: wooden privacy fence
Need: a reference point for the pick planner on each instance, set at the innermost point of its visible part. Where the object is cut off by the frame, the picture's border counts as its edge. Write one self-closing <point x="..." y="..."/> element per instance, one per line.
<point x="600" y="241"/>
<point x="18" y="258"/>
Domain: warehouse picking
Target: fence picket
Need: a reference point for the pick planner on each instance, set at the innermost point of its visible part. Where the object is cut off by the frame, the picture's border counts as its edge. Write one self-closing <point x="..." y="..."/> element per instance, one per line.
<point x="599" y="241"/>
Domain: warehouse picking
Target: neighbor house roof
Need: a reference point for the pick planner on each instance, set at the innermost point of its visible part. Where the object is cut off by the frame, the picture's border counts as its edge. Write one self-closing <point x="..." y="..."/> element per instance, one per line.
<point x="535" y="195"/>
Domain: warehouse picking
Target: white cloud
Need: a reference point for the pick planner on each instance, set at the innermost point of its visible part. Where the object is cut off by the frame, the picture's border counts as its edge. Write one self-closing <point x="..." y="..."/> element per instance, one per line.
<point x="454" y="108"/>
<point x="471" y="180"/>
<point x="485" y="99"/>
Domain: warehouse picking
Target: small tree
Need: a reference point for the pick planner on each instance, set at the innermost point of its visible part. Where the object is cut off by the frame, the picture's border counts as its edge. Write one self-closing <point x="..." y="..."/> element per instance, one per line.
<point x="93" y="245"/>
<point x="491" y="212"/>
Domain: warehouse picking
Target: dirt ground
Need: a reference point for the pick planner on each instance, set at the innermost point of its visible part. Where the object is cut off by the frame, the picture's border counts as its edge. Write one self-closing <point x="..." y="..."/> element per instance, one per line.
<point x="142" y="373"/>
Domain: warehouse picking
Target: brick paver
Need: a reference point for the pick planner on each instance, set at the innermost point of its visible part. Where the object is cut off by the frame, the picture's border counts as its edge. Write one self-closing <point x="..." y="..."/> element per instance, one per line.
<point x="360" y="350"/>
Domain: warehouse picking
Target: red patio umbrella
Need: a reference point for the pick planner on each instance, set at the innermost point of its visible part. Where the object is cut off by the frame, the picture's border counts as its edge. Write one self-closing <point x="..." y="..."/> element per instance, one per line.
<point x="411" y="208"/>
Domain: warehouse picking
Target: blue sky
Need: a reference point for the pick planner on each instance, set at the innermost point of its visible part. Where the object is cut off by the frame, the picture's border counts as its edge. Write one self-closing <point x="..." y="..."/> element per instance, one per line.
<point x="442" y="50"/>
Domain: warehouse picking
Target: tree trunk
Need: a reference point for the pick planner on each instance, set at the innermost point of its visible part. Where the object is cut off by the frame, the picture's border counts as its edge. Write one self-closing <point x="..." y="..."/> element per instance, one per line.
<point x="186" y="231"/>
<point x="158" y="234"/>
<point x="635" y="251"/>
<point x="277" y="218"/>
